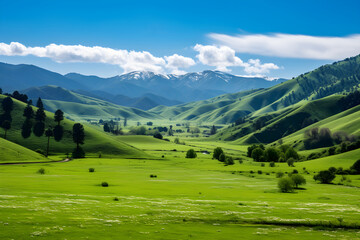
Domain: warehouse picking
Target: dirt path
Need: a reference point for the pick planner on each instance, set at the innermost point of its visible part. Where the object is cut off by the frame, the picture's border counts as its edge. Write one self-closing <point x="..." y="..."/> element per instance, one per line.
<point x="19" y="163"/>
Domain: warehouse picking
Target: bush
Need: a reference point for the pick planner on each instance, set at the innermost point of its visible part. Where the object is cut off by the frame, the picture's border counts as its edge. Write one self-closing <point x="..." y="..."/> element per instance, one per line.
<point x="298" y="179"/>
<point x="279" y="174"/>
<point x="158" y="136"/>
<point x="262" y="164"/>
<point x="356" y="167"/>
<point x="271" y="155"/>
<point x="259" y="172"/>
<point x="116" y="199"/>
<point x="91" y="169"/>
<point x="291" y="153"/>
<point x="40" y="151"/>
<point x="324" y="176"/>
<point x="41" y="171"/>
<point x="286" y="184"/>
<point x="78" y="153"/>
<point x="191" y="153"/>
<point x="333" y="170"/>
<point x="153" y="176"/>
<point x="229" y="161"/>
<point x="290" y="162"/>
<point x="177" y="141"/>
<point x="217" y="152"/>
<point x="104" y="184"/>
<point x="271" y="164"/>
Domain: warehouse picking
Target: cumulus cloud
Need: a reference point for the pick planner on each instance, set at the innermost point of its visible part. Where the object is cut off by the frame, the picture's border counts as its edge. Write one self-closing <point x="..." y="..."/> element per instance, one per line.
<point x="127" y="60"/>
<point x="223" y="57"/>
<point x="176" y="61"/>
<point x="292" y="46"/>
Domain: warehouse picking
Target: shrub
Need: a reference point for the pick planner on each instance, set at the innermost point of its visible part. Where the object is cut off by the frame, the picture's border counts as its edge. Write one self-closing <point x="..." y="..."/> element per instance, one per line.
<point x="78" y="153"/>
<point x="290" y="162"/>
<point x="291" y="153"/>
<point x="356" y="167"/>
<point x="324" y="176"/>
<point x="286" y="184"/>
<point x="116" y="199"/>
<point x="229" y="161"/>
<point x="241" y="161"/>
<point x="222" y="157"/>
<point x="41" y="171"/>
<point x="279" y="174"/>
<point x="298" y="180"/>
<point x="153" y="176"/>
<point x="158" y="136"/>
<point x="271" y="164"/>
<point x="259" y="172"/>
<point x="177" y="141"/>
<point x="263" y="164"/>
<point x="217" y="152"/>
<point x="104" y="184"/>
<point x="332" y="169"/>
<point x="191" y="153"/>
<point x="91" y="169"/>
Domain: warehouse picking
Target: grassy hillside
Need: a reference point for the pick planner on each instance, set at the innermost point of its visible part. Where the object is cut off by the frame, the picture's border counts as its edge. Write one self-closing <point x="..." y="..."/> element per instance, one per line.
<point x="80" y="107"/>
<point x="12" y="152"/>
<point x="96" y="141"/>
<point x="325" y="81"/>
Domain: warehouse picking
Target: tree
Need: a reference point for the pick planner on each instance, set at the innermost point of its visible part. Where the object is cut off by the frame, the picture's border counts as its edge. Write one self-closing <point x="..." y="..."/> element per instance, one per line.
<point x="59" y="116"/>
<point x="298" y="180"/>
<point x="191" y="153"/>
<point x="39" y="129"/>
<point x="106" y="127"/>
<point x="28" y="112"/>
<point x="40" y="115"/>
<point x="324" y="176"/>
<point x="78" y="134"/>
<point x="291" y="153"/>
<point x="7" y="105"/>
<point x="286" y="184"/>
<point x="356" y="166"/>
<point x="48" y="133"/>
<point x="171" y="133"/>
<point x="257" y="154"/>
<point x="26" y="128"/>
<point x="125" y="122"/>
<point x="58" y="132"/>
<point x="213" y="130"/>
<point x="39" y="103"/>
<point x="271" y="155"/>
<point x="217" y="152"/>
<point x="6" y="125"/>
<point x="229" y="160"/>
<point x="1" y="91"/>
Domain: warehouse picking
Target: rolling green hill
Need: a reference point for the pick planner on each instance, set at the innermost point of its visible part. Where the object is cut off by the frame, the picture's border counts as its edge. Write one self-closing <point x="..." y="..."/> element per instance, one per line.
<point x="327" y="80"/>
<point x="80" y="107"/>
<point x="96" y="141"/>
<point x="12" y="152"/>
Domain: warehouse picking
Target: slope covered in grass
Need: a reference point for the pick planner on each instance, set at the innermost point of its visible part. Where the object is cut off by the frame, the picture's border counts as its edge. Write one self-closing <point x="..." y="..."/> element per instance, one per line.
<point x="12" y="152"/>
<point x="96" y="141"/>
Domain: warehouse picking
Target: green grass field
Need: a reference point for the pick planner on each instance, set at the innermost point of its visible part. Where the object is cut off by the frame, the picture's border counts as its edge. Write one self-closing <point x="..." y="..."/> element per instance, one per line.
<point x="190" y="198"/>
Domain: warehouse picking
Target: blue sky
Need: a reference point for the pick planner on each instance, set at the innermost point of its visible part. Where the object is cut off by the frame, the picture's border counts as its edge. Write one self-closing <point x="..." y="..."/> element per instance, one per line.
<point x="270" y="38"/>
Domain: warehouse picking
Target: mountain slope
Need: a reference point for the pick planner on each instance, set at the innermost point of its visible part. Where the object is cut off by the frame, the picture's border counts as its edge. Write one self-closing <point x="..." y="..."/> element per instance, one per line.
<point x="22" y="76"/>
<point x="327" y="80"/>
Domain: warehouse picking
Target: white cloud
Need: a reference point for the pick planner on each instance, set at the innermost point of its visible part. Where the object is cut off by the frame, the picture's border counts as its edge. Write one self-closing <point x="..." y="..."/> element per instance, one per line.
<point x="219" y="57"/>
<point x="292" y="46"/>
<point x="127" y="60"/>
<point x="223" y="57"/>
<point x="176" y="61"/>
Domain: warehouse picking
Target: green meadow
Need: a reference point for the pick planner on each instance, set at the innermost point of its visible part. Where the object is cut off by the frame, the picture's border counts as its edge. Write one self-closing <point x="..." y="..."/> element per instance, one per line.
<point x="189" y="199"/>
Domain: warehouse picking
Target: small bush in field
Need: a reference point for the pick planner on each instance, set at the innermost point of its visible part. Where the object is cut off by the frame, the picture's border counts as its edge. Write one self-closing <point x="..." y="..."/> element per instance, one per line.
<point x="91" y="169"/>
<point x="279" y="174"/>
<point x="104" y="184"/>
<point x="41" y="171"/>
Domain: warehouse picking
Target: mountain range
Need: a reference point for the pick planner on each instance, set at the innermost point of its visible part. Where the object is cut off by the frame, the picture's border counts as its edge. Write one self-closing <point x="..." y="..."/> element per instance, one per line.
<point x="180" y="88"/>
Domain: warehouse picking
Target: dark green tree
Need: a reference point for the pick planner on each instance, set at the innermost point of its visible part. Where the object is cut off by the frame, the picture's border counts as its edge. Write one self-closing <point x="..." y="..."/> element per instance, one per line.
<point x="78" y="134"/>
<point x="191" y="153"/>
<point x="6" y="125"/>
<point x="28" y="112"/>
<point x="40" y="115"/>
<point x="222" y="157"/>
<point x="356" y="167"/>
<point x="39" y="103"/>
<point x="39" y="129"/>
<point x="125" y="122"/>
<point x="48" y="133"/>
<point x="257" y="154"/>
<point x="58" y="132"/>
<point x="106" y="127"/>
<point x="271" y="155"/>
<point x="324" y="176"/>
<point x="217" y="152"/>
<point x="298" y="180"/>
<point x="1" y="92"/>
<point x="59" y="116"/>
<point x="26" y="128"/>
<point x="7" y="105"/>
